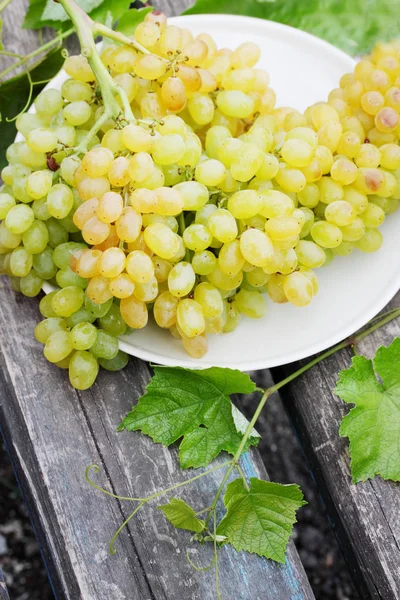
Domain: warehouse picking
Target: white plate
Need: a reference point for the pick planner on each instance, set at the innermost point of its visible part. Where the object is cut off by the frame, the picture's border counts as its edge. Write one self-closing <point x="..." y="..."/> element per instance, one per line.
<point x="303" y="69"/>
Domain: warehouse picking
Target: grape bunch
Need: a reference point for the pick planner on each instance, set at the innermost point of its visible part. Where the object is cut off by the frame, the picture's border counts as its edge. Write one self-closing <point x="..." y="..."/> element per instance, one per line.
<point x="198" y="201"/>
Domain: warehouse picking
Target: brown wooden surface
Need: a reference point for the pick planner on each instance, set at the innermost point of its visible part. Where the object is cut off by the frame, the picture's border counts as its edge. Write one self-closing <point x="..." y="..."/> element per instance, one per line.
<point x="366" y="516"/>
<point x="53" y="432"/>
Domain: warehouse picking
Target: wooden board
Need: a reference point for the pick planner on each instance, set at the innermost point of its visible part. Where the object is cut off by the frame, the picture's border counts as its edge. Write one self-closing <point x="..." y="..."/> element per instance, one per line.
<point x="3" y="588"/>
<point x="365" y="517"/>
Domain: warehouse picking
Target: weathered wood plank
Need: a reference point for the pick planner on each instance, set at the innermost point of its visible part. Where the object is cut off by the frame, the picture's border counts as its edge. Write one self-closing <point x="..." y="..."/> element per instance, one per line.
<point x="365" y="516"/>
<point x="3" y="588"/>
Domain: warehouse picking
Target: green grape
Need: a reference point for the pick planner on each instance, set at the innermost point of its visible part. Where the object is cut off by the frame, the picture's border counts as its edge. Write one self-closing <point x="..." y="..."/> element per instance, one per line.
<point x="63" y="252"/>
<point x="77" y="113"/>
<point x="79" y="316"/>
<point x="298" y="289"/>
<point x="60" y="201"/>
<point x="233" y="317"/>
<point x="230" y="258"/>
<point x="245" y="204"/>
<point x="370" y="242"/>
<point x="35" y="239"/>
<point x="190" y="317"/>
<point x="20" y="262"/>
<point x="222" y="225"/>
<point x="326" y="234"/>
<point x="31" y="284"/>
<point x="105" y="346"/>
<point x="57" y="233"/>
<point x="197" y="237"/>
<point x="45" y="306"/>
<point x="209" y="298"/>
<point x="98" y="310"/>
<point x="181" y="279"/>
<point x="168" y="149"/>
<point x="113" y="322"/>
<point x="6" y="203"/>
<point x="43" y="264"/>
<point x="251" y="304"/>
<point x="42" y="140"/>
<point x="7" y="239"/>
<point x="115" y="364"/>
<point x="19" y="218"/>
<point x="235" y="103"/>
<point x="58" y="346"/>
<point x="67" y="301"/>
<point x="310" y="254"/>
<point x="44" y="329"/>
<point x="256" y="247"/>
<point x="194" y="194"/>
<point x="204" y="263"/>
<point x="67" y="277"/>
<point x="83" y="335"/>
<point x="73" y="90"/>
<point x="49" y="102"/>
<point x="40" y="209"/>
<point x="19" y="190"/>
<point x="83" y="370"/>
<point x="344" y="249"/>
<point x="210" y="172"/>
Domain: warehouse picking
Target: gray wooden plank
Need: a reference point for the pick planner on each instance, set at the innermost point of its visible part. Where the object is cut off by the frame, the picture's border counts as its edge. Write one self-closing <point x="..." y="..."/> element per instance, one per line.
<point x="3" y="588"/>
<point x="365" y="516"/>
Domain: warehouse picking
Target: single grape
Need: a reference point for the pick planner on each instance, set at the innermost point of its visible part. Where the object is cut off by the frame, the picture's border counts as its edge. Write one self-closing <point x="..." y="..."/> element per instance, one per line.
<point x="83" y="369"/>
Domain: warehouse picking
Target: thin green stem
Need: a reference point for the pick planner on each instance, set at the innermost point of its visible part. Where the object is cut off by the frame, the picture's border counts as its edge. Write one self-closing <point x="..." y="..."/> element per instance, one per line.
<point x="200" y="512"/>
<point x="96" y="469"/>
<point x="243" y="476"/>
<point x="27" y="103"/>
<point x="112" y="547"/>
<point x="216" y="556"/>
<point x="12" y="54"/>
<point x="4" y="4"/>
<point x="38" y="51"/>
<point x="117" y="36"/>
<point x="195" y="567"/>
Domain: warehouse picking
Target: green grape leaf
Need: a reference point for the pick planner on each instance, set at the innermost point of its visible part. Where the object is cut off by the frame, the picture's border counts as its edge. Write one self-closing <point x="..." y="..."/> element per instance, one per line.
<point x="182" y="516"/>
<point x="131" y="19"/>
<point x="14" y="94"/>
<point x="53" y="11"/>
<point x="373" y="425"/>
<point x="353" y="26"/>
<point x="260" y="520"/>
<point x="110" y="11"/>
<point x="194" y="405"/>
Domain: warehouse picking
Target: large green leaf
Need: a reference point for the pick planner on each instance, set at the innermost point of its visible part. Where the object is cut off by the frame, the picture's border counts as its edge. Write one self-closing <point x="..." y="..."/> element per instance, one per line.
<point x="194" y="405"/>
<point x="14" y="94"/>
<point x="353" y="25"/>
<point x="373" y="426"/>
<point x="261" y="519"/>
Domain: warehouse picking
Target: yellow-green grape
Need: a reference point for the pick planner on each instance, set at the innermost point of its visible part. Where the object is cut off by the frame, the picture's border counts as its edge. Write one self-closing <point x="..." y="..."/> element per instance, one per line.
<point x="121" y="286"/>
<point x="373" y="216"/>
<point x="204" y="263"/>
<point x="370" y="242"/>
<point x="344" y="249"/>
<point x="387" y="119"/>
<point x="257" y="277"/>
<point x="309" y="219"/>
<point x="390" y="156"/>
<point x="67" y="301"/>
<point x="290" y="179"/>
<point x="357" y="199"/>
<point x="118" y="174"/>
<point x="111" y="263"/>
<point x="190" y="317"/>
<point x="162" y="268"/>
<point x="92" y="187"/>
<point x="39" y="183"/>
<point x="77" y="113"/>
<point x="210" y="172"/>
<point x="275" y="204"/>
<point x="282" y="228"/>
<point x="223" y="225"/>
<point x="223" y="281"/>
<point x="312" y="277"/>
<point x="168" y="149"/>
<point x="235" y="103"/>
<point x="372" y="102"/>
<point x="137" y="139"/>
<point x="209" y="298"/>
<point x="298" y="289"/>
<point x="297" y="152"/>
<point x="170" y="40"/>
<point x="303" y="133"/>
<point x="194" y="194"/>
<point x="229" y="151"/>
<point x="310" y="254"/>
<point x="330" y="191"/>
<point x="6" y="203"/>
<point x="58" y="346"/>
<point x="326" y="234"/>
<point x="340" y="213"/>
<point x="161" y="240"/>
<point x="173" y="94"/>
<point x="141" y="167"/>
<point x="269" y="167"/>
<point x="73" y="90"/>
<point x="42" y="140"/>
<point x="322" y="113"/>
<point x="245" y="204"/>
<point x="368" y="156"/>
<point x="143" y="200"/>
<point x="78" y="68"/>
<point x="354" y="231"/>
<point x="260" y="137"/>
<point x="201" y="108"/>
<point x="170" y="222"/>
<point x="112" y="139"/>
<point x="68" y="168"/>
<point x="147" y="292"/>
<point x="66" y="134"/>
<point x="169" y="201"/>
<point x="147" y="34"/>
<point x="197" y="346"/>
<point x="18" y="219"/>
<point x="20" y="262"/>
<point x="275" y="288"/>
<point x="165" y="309"/>
<point x="35" y="239"/>
<point x="214" y="136"/>
<point x="85" y="211"/>
<point x="98" y="290"/>
<point x="324" y="157"/>
<point x="150" y="66"/>
<point x="110" y="207"/>
<point x="344" y="171"/>
<point x="95" y="231"/>
<point x="128" y="225"/>
<point x="46" y="328"/>
<point x="60" y="201"/>
<point x="83" y="369"/>
<point x="370" y="181"/>
<point x="83" y="336"/>
<point x="123" y="59"/>
<point x="329" y="135"/>
<point x="181" y="279"/>
<point x="19" y="190"/>
<point x="197" y="237"/>
<point x="349" y="144"/>
<point x="8" y="239"/>
<point x="230" y="259"/>
<point x="251" y="303"/>
<point x="233" y="317"/>
<point x="256" y="247"/>
<point x="246" y="162"/>
<point x="139" y="266"/>
<point x="193" y="150"/>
